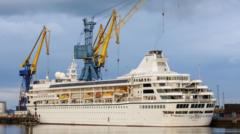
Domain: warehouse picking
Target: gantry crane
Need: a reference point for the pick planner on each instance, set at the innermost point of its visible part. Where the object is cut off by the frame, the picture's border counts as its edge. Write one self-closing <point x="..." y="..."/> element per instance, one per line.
<point x="94" y="53"/>
<point x="28" y="69"/>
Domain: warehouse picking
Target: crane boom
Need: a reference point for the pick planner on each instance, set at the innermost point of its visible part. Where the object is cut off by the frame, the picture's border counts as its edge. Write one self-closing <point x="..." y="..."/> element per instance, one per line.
<point x="36" y="57"/>
<point x="127" y="17"/>
<point x="131" y="12"/>
<point x="105" y="41"/>
<point x="99" y="38"/>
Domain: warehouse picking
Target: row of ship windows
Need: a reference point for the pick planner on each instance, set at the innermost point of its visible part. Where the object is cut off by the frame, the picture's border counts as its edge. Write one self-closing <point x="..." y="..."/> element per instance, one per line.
<point x="152" y="106"/>
<point x="161" y="78"/>
<point x="151" y="91"/>
<point x="142" y="80"/>
<point x="85" y="107"/>
<point x="172" y="78"/>
<point x="188" y="112"/>
<point x="43" y="96"/>
<point x="194" y="105"/>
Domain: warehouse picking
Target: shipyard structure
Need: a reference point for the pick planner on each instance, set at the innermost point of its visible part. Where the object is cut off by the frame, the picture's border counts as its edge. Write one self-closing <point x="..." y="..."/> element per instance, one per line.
<point x="149" y="95"/>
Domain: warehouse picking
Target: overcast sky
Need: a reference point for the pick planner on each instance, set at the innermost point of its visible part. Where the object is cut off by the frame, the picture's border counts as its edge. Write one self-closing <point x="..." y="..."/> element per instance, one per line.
<point x="199" y="37"/>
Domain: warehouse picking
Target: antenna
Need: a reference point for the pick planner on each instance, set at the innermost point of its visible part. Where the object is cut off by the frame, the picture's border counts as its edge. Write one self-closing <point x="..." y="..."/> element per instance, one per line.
<point x="118" y="60"/>
<point x="218" y="97"/>
<point x="161" y="32"/>
<point x="163" y="14"/>
<point x="223" y="99"/>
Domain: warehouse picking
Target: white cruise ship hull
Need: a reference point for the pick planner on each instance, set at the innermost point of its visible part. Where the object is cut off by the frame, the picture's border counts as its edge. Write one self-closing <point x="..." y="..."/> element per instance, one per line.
<point x="150" y="95"/>
<point x="119" y="114"/>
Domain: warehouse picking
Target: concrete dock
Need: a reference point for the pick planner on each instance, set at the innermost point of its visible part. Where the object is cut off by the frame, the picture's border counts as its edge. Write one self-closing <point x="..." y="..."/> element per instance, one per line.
<point x="24" y="120"/>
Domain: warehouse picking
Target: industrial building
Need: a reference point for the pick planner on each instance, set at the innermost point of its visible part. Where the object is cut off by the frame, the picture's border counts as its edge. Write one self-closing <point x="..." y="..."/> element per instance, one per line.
<point x="3" y="107"/>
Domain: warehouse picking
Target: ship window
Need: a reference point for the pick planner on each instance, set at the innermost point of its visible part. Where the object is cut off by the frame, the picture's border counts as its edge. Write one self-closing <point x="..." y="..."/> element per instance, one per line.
<point x="147" y="85"/>
<point x="181" y="112"/>
<point x="195" y="112"/>
<point x="210" y="105"/>
<point x="162" y="84"/>
<point x="208" y="112"/>
<point x="182" y="105"/>
<point x="163" y="78"/>
<point x="197" y="106"/>
<point x="171" y="97"/>
<point x="161" y="91"/>
<point x="168" y="112"/>
<point x="148" y="91"/>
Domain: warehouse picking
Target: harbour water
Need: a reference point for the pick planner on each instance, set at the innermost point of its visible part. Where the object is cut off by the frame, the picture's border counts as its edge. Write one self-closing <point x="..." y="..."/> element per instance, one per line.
<point x="76" y="129"/>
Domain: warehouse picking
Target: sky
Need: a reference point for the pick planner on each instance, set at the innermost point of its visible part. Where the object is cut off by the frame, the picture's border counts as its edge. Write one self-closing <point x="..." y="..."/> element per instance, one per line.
<point x="199" y="37"/>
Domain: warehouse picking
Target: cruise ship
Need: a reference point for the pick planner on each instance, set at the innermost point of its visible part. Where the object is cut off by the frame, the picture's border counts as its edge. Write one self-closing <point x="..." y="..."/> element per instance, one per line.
<point x="150" y="95"/>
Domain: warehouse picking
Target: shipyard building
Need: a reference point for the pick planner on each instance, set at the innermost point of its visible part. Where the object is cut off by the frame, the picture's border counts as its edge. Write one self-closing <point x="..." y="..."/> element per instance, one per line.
<point x="2" y="107"/>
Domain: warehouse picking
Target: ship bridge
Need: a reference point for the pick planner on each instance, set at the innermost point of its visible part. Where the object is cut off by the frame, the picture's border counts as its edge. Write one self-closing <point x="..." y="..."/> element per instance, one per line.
<point x="153" y="62"/>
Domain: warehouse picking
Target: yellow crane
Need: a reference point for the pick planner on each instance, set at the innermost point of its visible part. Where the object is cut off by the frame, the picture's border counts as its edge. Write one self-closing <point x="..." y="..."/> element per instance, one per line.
<point x="102" y="39"/>
<point x="29" y="69"/>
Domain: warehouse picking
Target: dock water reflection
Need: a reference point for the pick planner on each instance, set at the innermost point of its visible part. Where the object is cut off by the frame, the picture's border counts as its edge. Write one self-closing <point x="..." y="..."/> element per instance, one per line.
<point x="76" y="129"/>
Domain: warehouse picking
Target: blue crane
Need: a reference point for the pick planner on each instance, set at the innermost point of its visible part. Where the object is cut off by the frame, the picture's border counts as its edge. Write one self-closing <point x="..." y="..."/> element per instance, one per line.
<point x="29" y="69"/>
<point x="94" y="53"/>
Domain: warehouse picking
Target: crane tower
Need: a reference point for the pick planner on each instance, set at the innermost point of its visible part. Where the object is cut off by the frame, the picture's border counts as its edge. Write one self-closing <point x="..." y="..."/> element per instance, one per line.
<point x="85" y="52"/>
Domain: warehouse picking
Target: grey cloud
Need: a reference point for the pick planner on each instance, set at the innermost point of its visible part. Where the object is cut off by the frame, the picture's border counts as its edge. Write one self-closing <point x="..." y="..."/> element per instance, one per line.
<point x="180" y="9"/>
<point x="91" y="7"/>
<point x="75" y="7"/>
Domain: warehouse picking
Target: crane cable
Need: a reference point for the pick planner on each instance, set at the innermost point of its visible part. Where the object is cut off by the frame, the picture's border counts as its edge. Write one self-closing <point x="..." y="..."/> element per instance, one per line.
<point x="162" y="31"/>
<point x="119" y="6"/>
<point x="118" y="60"/>
<point x="110" y="8"/>
<point x="47" y="41"/>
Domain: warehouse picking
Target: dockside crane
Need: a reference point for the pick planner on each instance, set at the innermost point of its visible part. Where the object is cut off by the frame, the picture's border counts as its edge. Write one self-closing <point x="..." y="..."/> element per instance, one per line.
<point x="28" y="68"/>
<point x="94" y="53"/>
<point x="101" y="42"/>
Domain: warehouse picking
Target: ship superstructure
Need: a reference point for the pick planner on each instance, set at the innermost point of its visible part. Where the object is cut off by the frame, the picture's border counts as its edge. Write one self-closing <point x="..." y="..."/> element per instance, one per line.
<point x="150" y="95"/>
